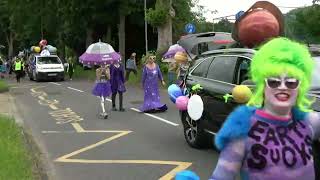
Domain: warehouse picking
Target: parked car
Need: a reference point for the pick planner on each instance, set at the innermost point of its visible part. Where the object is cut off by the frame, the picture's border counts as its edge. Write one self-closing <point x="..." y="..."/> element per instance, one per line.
<point x="45" y="67"/>
<point x="218" y="72"/>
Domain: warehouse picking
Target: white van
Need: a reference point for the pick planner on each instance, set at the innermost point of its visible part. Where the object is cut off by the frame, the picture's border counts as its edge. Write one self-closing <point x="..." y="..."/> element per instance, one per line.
<point x="45" y="67"/>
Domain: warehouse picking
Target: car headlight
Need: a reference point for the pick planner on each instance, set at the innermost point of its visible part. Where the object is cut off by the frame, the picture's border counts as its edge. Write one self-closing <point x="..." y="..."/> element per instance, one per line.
<point x="39" y="67"/>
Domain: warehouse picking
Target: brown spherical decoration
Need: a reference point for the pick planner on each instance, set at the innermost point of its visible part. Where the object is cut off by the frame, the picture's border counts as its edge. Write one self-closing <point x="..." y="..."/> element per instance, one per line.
<point x="258" y="26"/>
<point x="181" y="57"/>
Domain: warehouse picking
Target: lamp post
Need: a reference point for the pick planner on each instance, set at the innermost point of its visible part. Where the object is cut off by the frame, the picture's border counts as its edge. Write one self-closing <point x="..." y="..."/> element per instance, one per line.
<point x="145" y="25"/>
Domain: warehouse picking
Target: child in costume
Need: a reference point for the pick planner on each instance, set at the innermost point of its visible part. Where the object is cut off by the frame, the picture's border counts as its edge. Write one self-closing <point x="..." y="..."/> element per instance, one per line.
<point x="102" y="87"/>
<point x="271" y="137"/>
<point x="117" y="84"/>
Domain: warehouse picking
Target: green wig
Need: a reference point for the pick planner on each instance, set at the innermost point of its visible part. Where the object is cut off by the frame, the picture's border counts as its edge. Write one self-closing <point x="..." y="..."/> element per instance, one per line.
<point x="278" y="56"/>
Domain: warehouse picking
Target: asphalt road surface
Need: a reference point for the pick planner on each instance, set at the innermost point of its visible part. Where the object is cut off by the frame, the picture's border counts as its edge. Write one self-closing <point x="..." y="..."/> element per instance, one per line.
<point x="63" y="117"/>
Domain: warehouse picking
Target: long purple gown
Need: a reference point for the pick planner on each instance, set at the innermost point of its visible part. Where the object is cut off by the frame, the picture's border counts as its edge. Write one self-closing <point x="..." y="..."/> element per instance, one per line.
<point x="150" y="79"/>
<point x="117" y="79"/>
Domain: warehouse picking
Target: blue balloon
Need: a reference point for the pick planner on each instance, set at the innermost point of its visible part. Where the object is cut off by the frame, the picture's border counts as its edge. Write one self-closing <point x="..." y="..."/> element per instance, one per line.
<point x="174" y="92"/>
<point x="187" y="175"/>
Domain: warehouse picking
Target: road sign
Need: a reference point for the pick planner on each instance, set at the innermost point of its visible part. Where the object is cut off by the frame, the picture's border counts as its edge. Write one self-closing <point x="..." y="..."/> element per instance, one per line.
<point x="190" y="28"/>
<point x="239" y="14"/>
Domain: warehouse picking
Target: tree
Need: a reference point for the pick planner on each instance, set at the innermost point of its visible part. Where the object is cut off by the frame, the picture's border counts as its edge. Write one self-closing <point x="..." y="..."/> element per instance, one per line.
<point x="161" y="18"/>
<point x="224" y="25"/>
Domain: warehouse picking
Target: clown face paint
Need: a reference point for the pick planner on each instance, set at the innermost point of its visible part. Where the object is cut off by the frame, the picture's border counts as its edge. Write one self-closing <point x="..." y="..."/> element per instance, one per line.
<point x="280" y="94"/>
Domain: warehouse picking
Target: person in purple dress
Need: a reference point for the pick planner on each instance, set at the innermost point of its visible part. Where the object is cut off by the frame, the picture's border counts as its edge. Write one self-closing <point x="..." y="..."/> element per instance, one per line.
<point x="117" y="84"/>
<point x="102" y="87"/>
<point x="150" y="75"/>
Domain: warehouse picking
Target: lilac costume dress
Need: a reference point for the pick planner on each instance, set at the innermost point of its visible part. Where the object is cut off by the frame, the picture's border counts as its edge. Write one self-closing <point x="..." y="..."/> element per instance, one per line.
<point x="102" y="86"/>
<point x="262" y="146"/>
<point x="117" y="79"/>
<point x="150" y="79"/>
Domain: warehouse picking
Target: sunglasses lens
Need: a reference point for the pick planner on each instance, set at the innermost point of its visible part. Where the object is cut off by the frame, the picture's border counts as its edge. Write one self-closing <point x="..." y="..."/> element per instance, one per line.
<point x="273" y="83"/>
<point x="292" y="83"/>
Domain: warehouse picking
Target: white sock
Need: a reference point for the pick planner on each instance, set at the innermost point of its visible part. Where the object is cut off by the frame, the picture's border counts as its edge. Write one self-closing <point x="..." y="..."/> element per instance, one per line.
<point x="102" y="104"/>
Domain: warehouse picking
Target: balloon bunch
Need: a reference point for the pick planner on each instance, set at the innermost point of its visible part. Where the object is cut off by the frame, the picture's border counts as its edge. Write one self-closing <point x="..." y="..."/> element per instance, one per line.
<point x="178" y="97"/>
<point x="42" y="45"/>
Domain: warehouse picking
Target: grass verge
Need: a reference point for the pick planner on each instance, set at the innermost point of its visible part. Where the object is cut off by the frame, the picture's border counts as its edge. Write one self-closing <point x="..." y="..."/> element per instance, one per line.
<point x="15" y="160"/>
<point x="3" y="86"/>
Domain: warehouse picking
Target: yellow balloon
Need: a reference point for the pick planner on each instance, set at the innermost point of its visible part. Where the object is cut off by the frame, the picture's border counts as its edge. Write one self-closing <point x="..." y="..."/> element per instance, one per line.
<point x="181" y="57"/>
<point x="241" y="94"/>
<point x="37" y="49"/>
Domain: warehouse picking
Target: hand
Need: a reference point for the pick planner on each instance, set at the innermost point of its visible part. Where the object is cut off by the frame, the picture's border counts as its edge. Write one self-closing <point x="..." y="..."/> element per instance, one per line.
<point x="163" y="83"/>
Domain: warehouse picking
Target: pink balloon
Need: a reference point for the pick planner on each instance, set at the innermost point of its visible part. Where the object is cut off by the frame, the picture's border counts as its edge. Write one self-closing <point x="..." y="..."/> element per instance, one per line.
<point x="182" y="103"/>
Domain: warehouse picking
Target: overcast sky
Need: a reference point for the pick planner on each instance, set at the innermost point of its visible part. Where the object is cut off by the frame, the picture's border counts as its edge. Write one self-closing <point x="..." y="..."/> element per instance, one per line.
<point x="230" y="7"/>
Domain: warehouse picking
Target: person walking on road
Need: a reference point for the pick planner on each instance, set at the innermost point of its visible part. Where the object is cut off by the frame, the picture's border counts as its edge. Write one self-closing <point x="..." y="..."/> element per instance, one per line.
<point x="131" y="66"/>
<point x="172" y="75"/>
<point x="117" y="84"/>
<point x="150" y="75"/>
<point x="70" y="68"/>
<point x="102" y="87"/>
<point x="18" y="68"/>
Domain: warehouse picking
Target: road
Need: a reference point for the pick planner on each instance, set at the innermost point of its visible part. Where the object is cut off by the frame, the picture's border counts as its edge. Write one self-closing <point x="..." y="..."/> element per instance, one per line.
<point x="128" y="145"/>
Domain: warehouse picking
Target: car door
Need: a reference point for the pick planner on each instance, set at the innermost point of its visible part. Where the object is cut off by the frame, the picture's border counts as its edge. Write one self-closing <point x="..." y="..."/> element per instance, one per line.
<point x="198" y="73"/>
<point x="220" y="80"/>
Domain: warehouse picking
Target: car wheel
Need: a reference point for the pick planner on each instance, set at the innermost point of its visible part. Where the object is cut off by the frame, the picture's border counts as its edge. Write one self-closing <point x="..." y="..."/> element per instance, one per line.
<point x="194" y="133"/>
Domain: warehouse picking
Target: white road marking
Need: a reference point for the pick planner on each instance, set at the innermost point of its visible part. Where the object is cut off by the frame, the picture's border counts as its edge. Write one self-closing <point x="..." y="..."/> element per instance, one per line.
<point x="156" y="117"/>
<point x="55" y="83"/>
<point x="75" y="89"/>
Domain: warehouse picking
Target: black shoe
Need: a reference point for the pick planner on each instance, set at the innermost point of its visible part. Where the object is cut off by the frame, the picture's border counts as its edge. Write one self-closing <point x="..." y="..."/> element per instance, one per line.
<point x="114" y="109"/>
<point x="122" y="109"/>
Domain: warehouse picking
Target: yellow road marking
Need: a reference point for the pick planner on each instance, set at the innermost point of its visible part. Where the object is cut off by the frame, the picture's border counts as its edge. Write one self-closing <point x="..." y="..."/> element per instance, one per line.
<point x="66" y="158"/>
<point x="77" y="127"/>
<point x="53" y="107"/>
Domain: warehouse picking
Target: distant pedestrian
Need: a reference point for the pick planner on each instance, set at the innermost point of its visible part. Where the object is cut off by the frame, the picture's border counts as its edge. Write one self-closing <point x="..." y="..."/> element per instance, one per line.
<point x="18" y="68"/>
<point x="131" y="66"/>
<point x="117" y="84"/>
<point x="172" y="75"/>
<point x="150" y="76"/>
<point x="70" y="68"/>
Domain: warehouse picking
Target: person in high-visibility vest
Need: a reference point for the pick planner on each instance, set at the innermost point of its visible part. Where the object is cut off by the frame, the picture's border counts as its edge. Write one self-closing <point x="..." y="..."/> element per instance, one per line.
<point x="18" y="68"/>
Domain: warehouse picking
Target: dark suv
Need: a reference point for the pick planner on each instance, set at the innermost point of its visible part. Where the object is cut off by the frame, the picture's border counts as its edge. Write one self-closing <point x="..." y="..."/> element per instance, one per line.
<point x="218" y="72"/>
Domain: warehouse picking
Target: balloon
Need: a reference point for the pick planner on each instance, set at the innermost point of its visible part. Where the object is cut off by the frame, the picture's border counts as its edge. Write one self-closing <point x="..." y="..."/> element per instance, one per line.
<point x="174" y="92"/>
<point x="241" y="93"/>
<point x="32" y="48"/>
<point x="182" y="103"/>
<point x="51" y="49"/>
<point x="257" y="27"/>
<point x="195" y="107"/>
<point x="186" y="175"/>
<point x="43" y="42"/>
<point x="181" y="57"/>
<point x="37" y="49"/>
